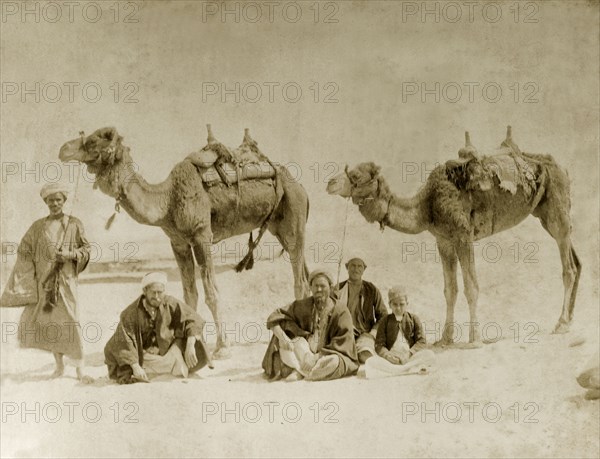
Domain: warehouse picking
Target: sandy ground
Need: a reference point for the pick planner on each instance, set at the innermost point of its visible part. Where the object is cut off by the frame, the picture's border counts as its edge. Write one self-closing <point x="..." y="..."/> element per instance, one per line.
<point x="515" y="397"/>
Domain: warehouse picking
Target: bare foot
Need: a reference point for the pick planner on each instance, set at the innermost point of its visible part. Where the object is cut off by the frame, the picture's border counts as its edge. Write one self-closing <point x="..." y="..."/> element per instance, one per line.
<point x="83" y="378"/>
<point x="294" y="376"/>
<point x="443" y="342"/>
<point x="221" y="353"/>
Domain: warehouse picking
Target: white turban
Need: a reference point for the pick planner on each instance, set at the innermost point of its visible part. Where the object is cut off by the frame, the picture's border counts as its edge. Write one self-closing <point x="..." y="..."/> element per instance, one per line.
<point x="154" y="277"/>
<point x="51" y="188"/>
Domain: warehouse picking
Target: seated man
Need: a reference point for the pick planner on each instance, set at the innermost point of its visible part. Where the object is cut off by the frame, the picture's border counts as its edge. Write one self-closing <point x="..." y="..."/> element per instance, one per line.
<point x="365" y="305"/>
<point x="153" y="332"/>
<point x="400" y="342"/>
<point x="313" y="337"/>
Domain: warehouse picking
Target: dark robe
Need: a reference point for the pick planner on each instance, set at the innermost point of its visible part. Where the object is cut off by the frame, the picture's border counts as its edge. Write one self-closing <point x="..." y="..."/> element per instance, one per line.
<point x="296" y="320"/>
<point x="174" y="322"/>
<point x="371" y="308"/>
<point x="411" y="327"/>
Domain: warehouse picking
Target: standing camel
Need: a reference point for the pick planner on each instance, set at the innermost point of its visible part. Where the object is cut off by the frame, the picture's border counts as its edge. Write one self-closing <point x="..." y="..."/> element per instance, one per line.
<point x="470" y="199"/>
<point x="195" y="216"/>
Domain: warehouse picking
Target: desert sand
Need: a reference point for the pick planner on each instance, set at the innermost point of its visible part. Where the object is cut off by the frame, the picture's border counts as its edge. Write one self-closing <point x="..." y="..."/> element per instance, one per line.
<point x="514" y="397"/>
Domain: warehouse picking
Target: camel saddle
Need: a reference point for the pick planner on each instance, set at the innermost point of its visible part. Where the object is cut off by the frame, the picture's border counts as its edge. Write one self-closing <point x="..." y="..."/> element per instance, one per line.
<point x="507" y="168"/>
<point x="218" y="164"/>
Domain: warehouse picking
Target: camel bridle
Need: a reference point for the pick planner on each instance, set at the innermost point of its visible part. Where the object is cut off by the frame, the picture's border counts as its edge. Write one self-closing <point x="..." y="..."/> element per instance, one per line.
<point x="121" y="192"/>
<point x="371" y="195"/>
<point x="354" y="186"/>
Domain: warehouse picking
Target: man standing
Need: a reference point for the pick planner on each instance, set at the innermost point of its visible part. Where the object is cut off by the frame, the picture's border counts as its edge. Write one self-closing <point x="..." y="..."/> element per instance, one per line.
<point x="50" y="257"/>
<point x="312" y="336"/>
<point x="157" y="334"/>
<point x="365" y="304"/>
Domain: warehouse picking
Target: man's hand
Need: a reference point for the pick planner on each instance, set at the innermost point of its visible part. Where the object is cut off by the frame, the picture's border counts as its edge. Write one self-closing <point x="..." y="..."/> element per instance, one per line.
<point x="63" y="257"/>
<point x="403" y="356"/>
<point x="392" y="358"/>
<point x="309" y="361"/>
<point x="190" y="352"/>
<point x="139" y="373"/>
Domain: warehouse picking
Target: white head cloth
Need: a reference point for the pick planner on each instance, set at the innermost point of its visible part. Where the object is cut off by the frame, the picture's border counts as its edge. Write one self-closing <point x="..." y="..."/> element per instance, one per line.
<point x="154" y="277"/>
<point x="51" y="188"/>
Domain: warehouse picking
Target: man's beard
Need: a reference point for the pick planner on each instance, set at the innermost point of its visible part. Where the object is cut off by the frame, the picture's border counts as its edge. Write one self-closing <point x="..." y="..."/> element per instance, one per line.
<point x="321" y="301"/>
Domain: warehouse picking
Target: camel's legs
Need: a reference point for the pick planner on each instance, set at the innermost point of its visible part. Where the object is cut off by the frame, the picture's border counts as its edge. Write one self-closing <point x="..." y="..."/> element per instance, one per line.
<point x="466" y="257"/>
<point x="559" y="229"/>
<point x="295" y="249"/>
<point x="553" y="213"/>
<point x="185" y="262"/>
<point x="202" y="251"/>
<point x="289" y="227"/>
<point x="571" y="270"/>
<point x="448" y="256"/>
<point x="575" y="259"/>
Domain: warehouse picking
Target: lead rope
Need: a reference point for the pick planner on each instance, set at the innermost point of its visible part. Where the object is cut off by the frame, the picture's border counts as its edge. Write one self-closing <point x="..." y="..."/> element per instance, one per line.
<point x="343" y="242"/>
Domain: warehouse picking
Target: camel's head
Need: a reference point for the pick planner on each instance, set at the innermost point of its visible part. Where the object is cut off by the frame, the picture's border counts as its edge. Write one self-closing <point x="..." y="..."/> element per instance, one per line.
<point x="358" y="183"/>
<point x="98" y="151"/>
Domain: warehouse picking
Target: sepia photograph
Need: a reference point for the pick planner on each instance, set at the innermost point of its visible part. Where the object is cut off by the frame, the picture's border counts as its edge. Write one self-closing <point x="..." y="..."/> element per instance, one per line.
<point x="298" y="229"/>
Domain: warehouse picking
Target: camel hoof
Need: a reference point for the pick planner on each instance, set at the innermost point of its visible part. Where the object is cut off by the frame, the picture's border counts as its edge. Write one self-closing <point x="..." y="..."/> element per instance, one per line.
<point x="221" y="353"/>
<point x="560" y="328"/>
<point x="474" y="345"/>
<point x="57" y="373"/>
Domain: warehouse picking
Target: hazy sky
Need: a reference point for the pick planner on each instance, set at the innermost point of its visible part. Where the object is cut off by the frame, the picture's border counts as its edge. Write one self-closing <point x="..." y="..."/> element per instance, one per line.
<point x="361" y="79"/>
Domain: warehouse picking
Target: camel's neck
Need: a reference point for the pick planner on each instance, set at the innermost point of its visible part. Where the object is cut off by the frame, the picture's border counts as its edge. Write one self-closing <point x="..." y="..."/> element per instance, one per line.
<point x="405" y="215"/>
<point x="144" y="202"/>
<point x="402" y="214"/>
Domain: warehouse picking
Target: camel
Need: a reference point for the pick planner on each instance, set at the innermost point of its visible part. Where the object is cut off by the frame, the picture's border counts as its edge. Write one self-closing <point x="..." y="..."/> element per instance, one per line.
<point x="469" y="199"/>
<point x="194" y="216"/>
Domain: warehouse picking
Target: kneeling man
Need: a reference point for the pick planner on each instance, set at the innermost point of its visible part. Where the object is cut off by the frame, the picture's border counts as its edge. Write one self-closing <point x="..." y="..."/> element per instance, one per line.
<point x="157" y="334"/>
<point x="313" y="337"/>
<point x="400" y="342"/>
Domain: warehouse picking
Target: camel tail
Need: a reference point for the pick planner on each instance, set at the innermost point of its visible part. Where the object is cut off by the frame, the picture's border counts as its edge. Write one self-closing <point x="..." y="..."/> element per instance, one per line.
<point x="248" y="261"/>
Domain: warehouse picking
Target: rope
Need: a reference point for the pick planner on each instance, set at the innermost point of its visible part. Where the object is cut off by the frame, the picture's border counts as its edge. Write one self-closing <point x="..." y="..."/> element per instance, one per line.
<point x="72" y="206"/>
<point x="343" y="241"/>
